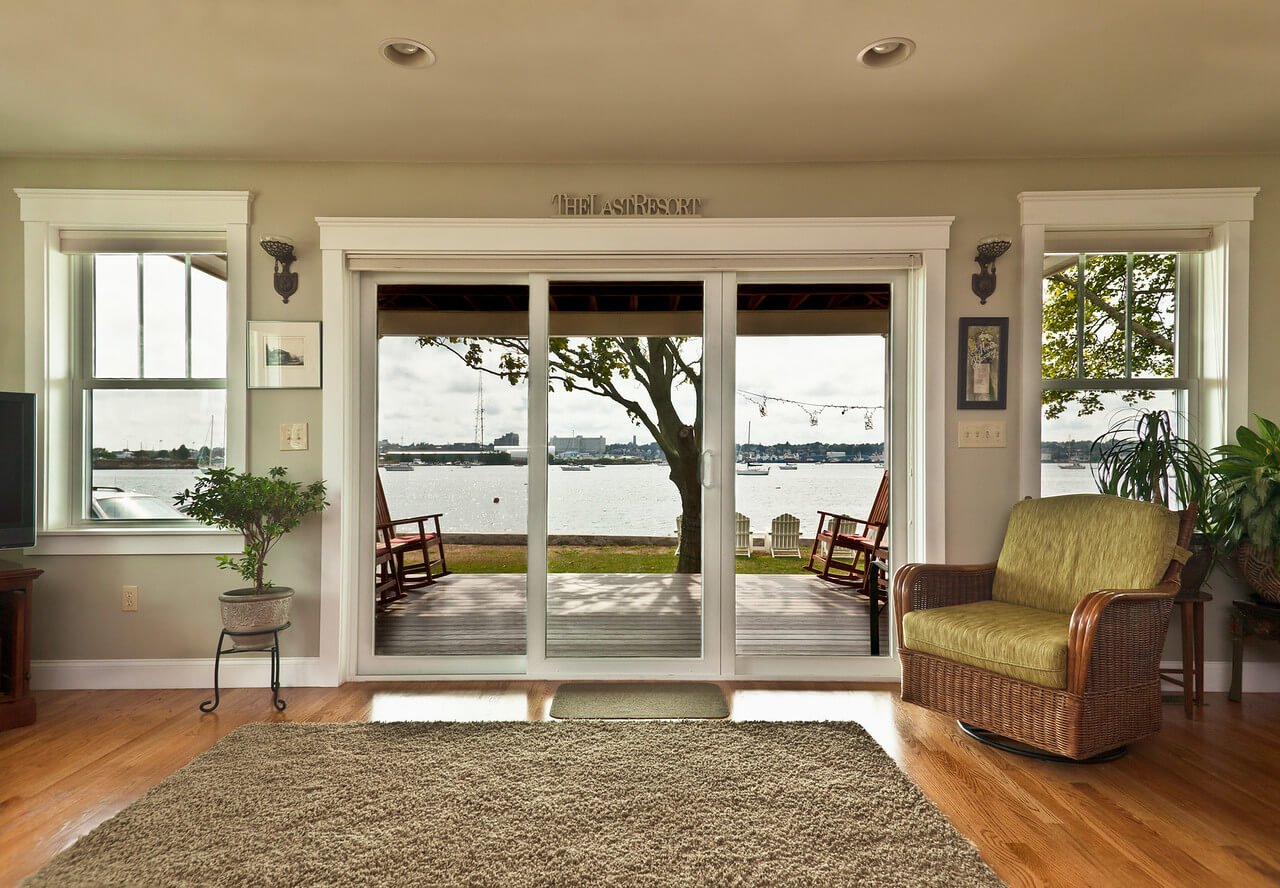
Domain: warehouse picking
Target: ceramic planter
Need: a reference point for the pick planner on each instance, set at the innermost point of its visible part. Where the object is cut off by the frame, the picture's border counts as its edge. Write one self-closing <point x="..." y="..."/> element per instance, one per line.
<point x="242" y="611"/>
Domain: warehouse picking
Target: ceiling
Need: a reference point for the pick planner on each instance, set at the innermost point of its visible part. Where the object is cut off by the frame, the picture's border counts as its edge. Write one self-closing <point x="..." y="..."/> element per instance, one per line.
<point x="593" y="81"/>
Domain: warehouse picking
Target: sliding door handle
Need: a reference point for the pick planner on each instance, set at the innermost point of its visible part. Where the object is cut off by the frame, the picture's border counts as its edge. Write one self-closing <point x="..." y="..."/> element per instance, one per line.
<point x="704" y="469"/>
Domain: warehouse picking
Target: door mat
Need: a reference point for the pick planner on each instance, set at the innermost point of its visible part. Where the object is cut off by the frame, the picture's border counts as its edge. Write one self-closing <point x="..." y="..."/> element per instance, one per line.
<point x="648" y="699"/>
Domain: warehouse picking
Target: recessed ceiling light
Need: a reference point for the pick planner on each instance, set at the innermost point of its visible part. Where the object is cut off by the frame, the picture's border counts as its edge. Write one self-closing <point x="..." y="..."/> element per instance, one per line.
<point x="886" y="52"/>
<point x="407" y="53"/>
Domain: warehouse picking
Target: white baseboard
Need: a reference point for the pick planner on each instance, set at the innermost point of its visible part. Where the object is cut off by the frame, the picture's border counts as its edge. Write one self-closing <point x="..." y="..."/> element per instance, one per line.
<point x="254" y="672"/>
<point x="1260" y="677"/>
<point x="237" y="672"/>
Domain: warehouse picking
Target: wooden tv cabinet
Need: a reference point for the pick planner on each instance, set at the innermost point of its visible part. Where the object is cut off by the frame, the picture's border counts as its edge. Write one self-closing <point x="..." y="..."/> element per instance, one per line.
<point x="17" y="706"/>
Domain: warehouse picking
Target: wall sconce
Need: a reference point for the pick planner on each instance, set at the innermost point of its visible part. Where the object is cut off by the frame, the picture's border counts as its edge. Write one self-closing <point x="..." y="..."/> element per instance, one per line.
<point x="989" y="250"/>
<point x="281" y="250"/>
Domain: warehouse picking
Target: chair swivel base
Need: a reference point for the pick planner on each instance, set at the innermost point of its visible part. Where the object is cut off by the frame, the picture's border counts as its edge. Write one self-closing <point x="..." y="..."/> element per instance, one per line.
<point x="990" y="738"/>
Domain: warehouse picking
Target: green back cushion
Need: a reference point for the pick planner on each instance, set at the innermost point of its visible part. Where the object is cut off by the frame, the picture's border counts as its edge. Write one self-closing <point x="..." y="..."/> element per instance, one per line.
<point x="1059" y="549"/>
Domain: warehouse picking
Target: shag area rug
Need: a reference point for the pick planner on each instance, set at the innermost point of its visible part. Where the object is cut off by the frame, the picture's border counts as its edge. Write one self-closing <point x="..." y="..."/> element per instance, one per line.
<point x="502" y="803"/>
<point x="632" y="699"/>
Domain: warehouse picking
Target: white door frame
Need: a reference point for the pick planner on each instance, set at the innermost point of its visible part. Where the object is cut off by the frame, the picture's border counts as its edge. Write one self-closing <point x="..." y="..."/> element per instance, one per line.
<point x="350" y="247"/>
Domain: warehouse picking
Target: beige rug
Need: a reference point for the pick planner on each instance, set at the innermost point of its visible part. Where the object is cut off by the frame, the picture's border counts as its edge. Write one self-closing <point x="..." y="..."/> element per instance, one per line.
<point x="632" y="699"/>
<point x="501" y="803"/>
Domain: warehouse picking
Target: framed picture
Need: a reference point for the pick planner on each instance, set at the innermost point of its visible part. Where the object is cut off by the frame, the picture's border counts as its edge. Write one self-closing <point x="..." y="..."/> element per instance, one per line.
<point x="284" y="354"/>
<point x="984" y="364"/>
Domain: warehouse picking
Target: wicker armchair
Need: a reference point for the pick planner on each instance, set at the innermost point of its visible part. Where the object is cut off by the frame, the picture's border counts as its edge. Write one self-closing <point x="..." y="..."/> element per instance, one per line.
<point x="1109" y="693"/>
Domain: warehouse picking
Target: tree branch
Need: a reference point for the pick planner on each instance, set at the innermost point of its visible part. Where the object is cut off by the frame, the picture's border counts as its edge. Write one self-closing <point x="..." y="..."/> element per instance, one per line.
<point x="1117" y="314"/>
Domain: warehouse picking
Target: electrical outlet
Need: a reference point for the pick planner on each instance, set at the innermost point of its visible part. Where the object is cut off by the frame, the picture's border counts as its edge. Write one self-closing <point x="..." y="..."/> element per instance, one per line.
<point x="982" y="434"/>
<point x="128" y="598"/>
<point x="293" y="436"/>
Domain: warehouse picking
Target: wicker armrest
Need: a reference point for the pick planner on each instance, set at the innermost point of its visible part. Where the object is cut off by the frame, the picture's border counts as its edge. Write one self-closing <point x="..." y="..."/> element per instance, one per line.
<point x="924" y="586"/>
<point x="1116" y="637"/>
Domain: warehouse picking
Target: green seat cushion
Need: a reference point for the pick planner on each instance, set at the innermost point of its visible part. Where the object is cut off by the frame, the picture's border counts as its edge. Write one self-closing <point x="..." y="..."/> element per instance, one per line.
<point x="1021" y="642"/>
<point x="1059" y="549"/>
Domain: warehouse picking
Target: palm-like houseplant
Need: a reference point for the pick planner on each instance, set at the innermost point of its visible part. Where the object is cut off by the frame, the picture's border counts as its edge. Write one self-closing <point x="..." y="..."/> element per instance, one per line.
<point x="1141" y="456"/>
<point x="1249" y="504"/>
<point x="264" y="509"/>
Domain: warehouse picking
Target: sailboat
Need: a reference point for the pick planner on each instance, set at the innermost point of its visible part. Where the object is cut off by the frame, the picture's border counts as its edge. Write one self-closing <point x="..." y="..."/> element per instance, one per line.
<point x="752" y="468"/>
<point x="206" y="459"/>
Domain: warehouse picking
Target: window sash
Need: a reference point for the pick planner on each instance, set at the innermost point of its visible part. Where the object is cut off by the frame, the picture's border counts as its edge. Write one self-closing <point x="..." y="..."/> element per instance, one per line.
<point x="1182" y="352"/>
<point x="84" y="272"/>
<point x="85" y="382"/>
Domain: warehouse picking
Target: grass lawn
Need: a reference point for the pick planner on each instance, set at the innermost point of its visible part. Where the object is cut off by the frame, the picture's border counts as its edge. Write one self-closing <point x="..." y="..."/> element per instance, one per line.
<point x="600" y="559"/>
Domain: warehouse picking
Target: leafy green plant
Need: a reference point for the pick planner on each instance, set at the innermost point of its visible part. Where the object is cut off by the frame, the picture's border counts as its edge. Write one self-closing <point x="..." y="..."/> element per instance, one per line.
<point x="1141" y="457"/>
<point x="264" y="509"/>
<point x="1249" y="496"/>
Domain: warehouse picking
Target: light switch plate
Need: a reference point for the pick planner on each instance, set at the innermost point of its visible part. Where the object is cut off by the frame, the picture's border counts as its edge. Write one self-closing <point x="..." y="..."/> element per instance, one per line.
<point x="293" y="436"/>
<point x="982" y="434"/>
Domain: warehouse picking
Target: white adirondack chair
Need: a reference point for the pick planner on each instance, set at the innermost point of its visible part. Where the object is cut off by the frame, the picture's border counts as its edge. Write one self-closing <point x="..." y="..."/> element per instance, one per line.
<point x="679" y="528"/>
<point x="742" y="535"/>
<point x="784" y="536"/>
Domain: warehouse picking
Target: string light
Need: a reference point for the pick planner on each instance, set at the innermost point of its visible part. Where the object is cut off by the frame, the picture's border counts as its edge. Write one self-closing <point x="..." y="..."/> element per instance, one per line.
<point x="811" y="409"/>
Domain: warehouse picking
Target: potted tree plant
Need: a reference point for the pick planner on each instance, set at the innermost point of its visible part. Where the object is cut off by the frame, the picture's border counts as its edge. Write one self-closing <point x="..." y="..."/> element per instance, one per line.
<point x="1249" y="504"/>
<point x="1141" y="457"/>
<point x="264" y="509"/>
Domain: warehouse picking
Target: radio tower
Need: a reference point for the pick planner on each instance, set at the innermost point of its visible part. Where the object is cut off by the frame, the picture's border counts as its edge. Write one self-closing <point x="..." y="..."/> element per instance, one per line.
<point x="480" y="409"/>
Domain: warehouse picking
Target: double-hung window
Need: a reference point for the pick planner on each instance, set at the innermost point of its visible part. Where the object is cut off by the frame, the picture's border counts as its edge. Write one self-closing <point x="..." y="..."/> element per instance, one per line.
<point x="1143" y="303"/>
<point x="135" y="335"/>
<point x="150" y="380"/>
<point x="1114" y="341"/>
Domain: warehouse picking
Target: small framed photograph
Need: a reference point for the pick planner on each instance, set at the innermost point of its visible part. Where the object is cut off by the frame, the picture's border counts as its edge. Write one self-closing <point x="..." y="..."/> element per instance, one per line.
<point x="984" y="364"/>
<point x="284" y="354"/>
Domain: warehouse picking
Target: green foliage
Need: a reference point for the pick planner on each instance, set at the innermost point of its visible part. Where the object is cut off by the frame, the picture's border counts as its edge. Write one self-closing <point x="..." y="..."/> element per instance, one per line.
<point x="262" y="508"/>
<point x="1102" y="300"/>
<point x="1141" y="457"/>
<point x="1249" y="502"/>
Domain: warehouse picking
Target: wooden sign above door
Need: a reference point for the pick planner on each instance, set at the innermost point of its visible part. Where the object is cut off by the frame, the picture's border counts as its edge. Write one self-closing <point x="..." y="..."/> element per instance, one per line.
<point x="630" y="205"/>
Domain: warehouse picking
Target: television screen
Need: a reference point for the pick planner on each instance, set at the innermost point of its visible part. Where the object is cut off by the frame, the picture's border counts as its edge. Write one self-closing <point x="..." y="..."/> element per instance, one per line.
<point x="17" y="470"/>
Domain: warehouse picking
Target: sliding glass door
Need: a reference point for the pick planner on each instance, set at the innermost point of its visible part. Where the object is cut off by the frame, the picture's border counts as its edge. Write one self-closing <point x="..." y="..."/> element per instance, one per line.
<point x="631" y="503"/>
<point x="630" y="472"/>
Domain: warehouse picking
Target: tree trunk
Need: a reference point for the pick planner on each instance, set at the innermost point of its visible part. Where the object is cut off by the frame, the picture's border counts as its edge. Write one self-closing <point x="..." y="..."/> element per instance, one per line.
<point x="684" y="474"/>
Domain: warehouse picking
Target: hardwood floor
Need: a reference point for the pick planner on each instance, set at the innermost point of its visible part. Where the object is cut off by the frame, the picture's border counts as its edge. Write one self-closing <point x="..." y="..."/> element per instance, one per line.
<point x="624" y="615"/>
<point x="1197" y="805"/>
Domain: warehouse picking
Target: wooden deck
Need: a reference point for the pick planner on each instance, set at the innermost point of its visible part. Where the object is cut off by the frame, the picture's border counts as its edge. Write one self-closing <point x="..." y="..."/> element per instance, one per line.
<point x="624" y="615"/>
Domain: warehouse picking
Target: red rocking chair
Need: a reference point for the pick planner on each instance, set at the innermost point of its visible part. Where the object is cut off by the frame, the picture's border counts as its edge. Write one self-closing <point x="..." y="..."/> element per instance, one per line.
<point x="862" y="539"/>
<point x="418" y="539"/>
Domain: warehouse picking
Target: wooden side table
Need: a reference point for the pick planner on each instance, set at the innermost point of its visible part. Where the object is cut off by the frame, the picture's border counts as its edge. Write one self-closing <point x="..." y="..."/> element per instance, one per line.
<point x="1191" y="676"/>
<point x="1249" y="618"/>
<point x="17" y="706"/>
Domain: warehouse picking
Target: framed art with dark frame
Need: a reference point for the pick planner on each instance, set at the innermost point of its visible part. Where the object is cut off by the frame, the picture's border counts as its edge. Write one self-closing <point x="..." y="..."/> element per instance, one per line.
<point x="983" y="374"/>
<point x="284" y="354"/>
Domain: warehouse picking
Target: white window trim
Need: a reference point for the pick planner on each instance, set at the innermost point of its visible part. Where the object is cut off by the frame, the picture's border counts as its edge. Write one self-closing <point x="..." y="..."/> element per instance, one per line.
<point x="1221" y="360"/>
<point x="51" y="337"/>
<point x="352" y="247"/>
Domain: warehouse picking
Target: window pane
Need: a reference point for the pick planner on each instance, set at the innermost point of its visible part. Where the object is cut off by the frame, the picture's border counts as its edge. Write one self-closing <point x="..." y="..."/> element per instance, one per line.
<point x="1072" y="421"/>
<point x="208" y="322"/>
<point x="115" y="316"/>
<point x="164" y="314"/>
<point x="1155" y="314"/>
<point x="1103" y="294"/>
<point x="152" y="444"/>
<point x="1059" y="359"/>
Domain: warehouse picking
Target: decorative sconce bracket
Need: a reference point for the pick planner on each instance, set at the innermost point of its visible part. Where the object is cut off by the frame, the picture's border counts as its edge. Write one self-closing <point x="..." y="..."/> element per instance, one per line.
<point x="989" y="250"/>
<point x="281" y="250"/>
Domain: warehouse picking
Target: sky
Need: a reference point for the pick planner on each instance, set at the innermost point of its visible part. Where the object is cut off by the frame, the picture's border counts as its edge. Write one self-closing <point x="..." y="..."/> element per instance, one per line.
<point x="430" y="395"/>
